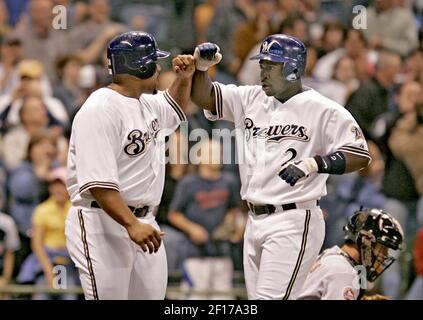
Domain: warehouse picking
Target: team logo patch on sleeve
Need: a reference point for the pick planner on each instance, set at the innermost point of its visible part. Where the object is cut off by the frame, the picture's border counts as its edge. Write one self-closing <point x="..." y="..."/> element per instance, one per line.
<point x="348" y="293"/>
<point x="357" y="132"/>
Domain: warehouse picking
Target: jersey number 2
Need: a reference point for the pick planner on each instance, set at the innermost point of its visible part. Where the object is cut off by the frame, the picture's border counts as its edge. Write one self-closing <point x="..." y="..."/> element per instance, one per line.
<point x="293" y="153"/>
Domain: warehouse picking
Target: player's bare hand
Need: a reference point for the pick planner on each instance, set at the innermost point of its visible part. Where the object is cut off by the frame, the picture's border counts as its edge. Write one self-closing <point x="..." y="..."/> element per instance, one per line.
<point x="184" y="65"/>
<point x="198" y="234"/>
<point x="146" y="236"/>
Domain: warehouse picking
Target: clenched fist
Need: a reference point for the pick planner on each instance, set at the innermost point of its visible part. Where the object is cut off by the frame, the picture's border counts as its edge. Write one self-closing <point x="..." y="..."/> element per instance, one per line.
<point x="207" y="55"/>
<point x="184" y="65"/>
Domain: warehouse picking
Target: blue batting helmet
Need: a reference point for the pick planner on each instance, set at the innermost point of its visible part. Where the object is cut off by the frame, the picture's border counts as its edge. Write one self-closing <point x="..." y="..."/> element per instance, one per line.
<point x="284" y="49"/>
<point x="134" y="53"/>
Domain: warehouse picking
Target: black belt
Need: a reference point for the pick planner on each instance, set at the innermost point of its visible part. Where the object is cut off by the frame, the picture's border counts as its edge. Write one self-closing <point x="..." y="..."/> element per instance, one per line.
<point x="140" y="212"/>
<point x="270" y="208"/>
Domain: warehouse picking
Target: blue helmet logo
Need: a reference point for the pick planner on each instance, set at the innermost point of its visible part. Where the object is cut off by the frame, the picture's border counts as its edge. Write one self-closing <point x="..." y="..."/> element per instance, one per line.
<point x="284" y="49"/>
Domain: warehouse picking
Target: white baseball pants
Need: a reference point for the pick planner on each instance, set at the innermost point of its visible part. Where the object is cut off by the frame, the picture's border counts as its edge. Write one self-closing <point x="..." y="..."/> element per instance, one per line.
<point x="279" y="250"/>
<point x="110" y="264"/>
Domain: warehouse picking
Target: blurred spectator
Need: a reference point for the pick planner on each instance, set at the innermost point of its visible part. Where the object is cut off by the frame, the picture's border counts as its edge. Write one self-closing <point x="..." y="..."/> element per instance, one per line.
<point x="371" y="99"/>
<point x="4" y="19"/>
<point x="48" y="240"/>
<point x="249" y="33"/>
<point x="416" y="290"/>
<point x="229" y="14"/>
<point x="39" y="40"/>
<point x="182" y="35"/>
<point x="413" y="66"/>
<point x="391" y="27"/>
<point x="398" y="184"/>
<point x="16" y="8"/>
<point x="406" y="140"/>
<point x="30" y="73"/>
<point x="68" y="90"/>
<point x="3" y="187"/>
<point x="348" y="193"/>
<point x="27" y="186"/>
<point x="203" y="15"/>
<point x="76" y="11"/>
<point x="201" y="204"/>
<point x="176" y="168"/>
<point x="9" y="243"/>
<point x="11" y="54"/>
<point x="332" y="39"/>
<point x="316" y="16"/>
<point x="355" y="48"/>
<point x="286" y="9"/>
<point x="344" y="81"/>
<point x="33" y="118"/>
<point x="295" y="26"/>
<point x="86" y="33"/>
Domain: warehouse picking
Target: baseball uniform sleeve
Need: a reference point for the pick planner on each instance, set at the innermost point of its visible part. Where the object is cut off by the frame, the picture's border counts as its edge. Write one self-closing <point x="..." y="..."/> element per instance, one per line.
<point x="344" y="134"/>
<point x="97" y="144"/>
<point x="339" y="286"/>
<point x="169" y="113"/>
<point x="230" y="101"/>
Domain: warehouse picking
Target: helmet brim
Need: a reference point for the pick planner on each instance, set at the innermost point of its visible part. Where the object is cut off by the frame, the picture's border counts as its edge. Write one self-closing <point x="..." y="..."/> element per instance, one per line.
<point x="161" y="54"/>
<point x="269" y="57"/>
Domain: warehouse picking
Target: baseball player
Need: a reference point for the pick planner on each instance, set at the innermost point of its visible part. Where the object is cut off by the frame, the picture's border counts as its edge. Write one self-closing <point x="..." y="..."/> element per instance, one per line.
<point x="341" y="273"/>
<point x="291" y="139"/>
<point x="115" y="176"/>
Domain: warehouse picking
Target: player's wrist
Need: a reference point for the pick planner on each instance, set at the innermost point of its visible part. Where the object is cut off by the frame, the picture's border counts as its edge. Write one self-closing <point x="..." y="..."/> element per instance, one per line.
<point x="311" y="165"/>
<point x="334" y="163"/>
<point x="131" y="224"/>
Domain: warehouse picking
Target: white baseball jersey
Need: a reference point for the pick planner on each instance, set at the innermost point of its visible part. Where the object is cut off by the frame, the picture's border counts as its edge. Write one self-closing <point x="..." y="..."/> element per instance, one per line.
<point x="332" y="277"/>
<point x="273" y="133"/>
<point x="280" y="248"/>
<point x="115" y="144"/>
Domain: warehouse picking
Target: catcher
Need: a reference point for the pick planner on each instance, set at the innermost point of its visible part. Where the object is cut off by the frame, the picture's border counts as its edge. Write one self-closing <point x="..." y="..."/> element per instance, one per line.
<point x="342" y="273"/>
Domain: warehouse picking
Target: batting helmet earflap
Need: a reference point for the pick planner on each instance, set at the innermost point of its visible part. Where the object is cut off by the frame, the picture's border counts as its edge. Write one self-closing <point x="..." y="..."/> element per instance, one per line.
<point x="134" y="53"/>
<point x="284" y="49"/>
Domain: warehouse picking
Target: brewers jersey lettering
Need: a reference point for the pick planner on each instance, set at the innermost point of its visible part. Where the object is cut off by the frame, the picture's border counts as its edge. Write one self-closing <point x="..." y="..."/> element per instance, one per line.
<point x="271" y="133"/>
<point x="115" y="144"/>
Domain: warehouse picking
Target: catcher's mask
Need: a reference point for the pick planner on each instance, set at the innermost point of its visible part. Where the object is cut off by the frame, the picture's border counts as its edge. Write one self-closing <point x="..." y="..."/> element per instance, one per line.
<point x="377" y="235"/>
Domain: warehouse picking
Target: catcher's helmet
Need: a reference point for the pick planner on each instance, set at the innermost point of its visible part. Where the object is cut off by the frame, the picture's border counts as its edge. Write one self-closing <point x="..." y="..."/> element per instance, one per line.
<point x="134" y="53"/>
<point x="375" y="232"/>
<point x="284" y="49"/>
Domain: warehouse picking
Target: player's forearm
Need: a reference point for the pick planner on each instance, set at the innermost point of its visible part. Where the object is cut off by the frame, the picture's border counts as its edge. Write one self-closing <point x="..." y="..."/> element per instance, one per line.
<point x="112" y="203"/>
<point x="354" y="162"/>
<point x="180" y="91"/>
<point x="8" y="265"/>
<point x="202" y="93"/>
